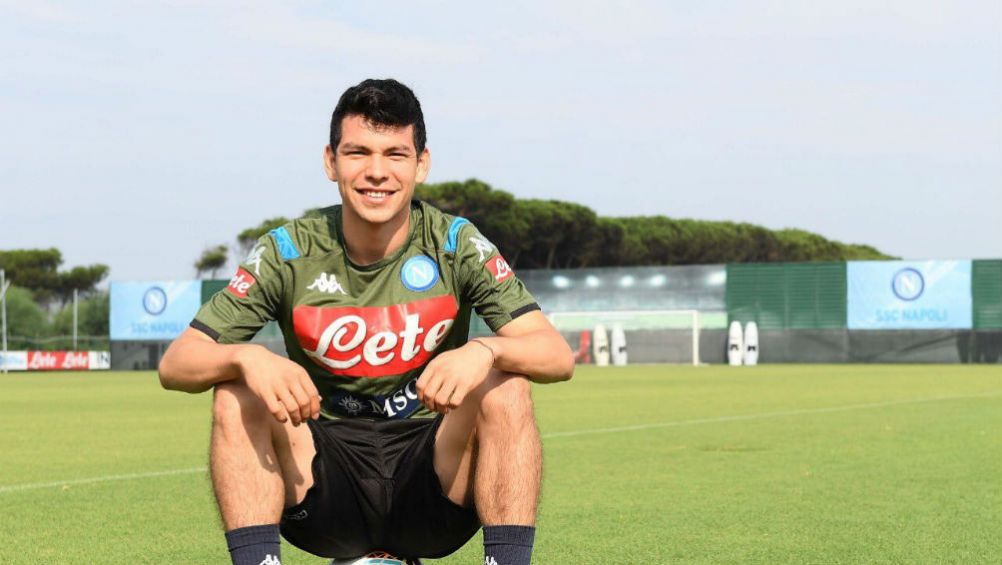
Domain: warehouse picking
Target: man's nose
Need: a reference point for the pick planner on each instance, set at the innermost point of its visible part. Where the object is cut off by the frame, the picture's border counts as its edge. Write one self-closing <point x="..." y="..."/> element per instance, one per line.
<point x="377" y="171"/>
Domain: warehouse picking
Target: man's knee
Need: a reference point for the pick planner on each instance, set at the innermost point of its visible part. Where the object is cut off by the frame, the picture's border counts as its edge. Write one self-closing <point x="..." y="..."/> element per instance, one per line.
<point x="233" y="405"/>
<point x="507" y="397"/>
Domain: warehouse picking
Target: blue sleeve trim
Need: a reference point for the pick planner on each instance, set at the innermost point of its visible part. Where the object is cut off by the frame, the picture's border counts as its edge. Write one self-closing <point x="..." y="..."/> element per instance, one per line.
<point x="286" y="248"/>
<point x="453" y="240"/>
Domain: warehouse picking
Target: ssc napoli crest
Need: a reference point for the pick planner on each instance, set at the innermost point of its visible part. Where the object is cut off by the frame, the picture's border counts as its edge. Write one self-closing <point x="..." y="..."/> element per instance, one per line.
<point x="908" y="284"/>
<point x="419" y="273"/>
<point x="155" y="301"/>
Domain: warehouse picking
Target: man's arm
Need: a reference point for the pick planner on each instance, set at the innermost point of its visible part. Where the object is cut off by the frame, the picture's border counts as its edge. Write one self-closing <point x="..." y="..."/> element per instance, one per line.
<point x="195" y="363"/>
<point x="528" y="345"/>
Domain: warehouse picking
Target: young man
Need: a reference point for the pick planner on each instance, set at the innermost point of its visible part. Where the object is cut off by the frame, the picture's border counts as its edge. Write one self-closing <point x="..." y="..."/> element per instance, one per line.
<point x="414" y="436"/>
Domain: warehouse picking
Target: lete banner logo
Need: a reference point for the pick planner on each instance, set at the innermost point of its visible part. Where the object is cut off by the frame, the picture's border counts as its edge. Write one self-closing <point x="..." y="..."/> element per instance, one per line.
<point x="892" y="295"/>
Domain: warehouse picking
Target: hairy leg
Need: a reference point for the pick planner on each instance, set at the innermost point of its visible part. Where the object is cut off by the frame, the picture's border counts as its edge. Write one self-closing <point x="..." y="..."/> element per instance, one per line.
<point x="258" y="465"/>
<point x="490" y="448"/>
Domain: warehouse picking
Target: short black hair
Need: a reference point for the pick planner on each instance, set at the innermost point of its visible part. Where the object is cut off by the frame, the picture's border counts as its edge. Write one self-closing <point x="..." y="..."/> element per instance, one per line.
<point x="382" y="102"/>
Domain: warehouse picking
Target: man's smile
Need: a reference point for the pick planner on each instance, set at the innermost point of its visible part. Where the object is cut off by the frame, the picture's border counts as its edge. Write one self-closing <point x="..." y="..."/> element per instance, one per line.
<point x="374" y="194"/>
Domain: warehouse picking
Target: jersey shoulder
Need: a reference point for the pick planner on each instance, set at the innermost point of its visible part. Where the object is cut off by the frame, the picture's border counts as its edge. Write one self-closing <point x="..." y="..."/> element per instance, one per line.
<point x="446" y="232"/>
<point x="313" y="234"/>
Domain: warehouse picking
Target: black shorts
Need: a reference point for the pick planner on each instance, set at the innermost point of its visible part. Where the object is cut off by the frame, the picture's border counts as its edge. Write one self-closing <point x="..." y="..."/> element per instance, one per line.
<point x="375" y="488"/>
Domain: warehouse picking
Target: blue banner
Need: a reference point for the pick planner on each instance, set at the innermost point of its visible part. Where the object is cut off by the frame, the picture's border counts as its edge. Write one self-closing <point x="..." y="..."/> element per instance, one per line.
<point x="158" y="310"/>
<point x="893" y="295"/>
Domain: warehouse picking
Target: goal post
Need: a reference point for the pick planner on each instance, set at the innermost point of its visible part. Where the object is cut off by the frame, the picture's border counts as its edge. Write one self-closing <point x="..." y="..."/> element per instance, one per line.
<point x="659" y="324"/>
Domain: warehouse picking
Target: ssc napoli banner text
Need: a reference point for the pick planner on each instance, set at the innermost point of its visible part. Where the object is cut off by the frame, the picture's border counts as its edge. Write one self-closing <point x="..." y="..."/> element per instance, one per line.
<point x="893" y="295"/>
<point x="158" y="310"/>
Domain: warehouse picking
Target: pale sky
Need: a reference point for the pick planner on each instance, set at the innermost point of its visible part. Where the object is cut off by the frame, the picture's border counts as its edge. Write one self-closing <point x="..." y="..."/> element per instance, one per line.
<point x="137" y="134"/>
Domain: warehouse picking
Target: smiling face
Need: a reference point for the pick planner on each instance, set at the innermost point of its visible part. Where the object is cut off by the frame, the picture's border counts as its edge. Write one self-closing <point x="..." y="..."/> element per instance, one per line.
<point x="376" y="168"/>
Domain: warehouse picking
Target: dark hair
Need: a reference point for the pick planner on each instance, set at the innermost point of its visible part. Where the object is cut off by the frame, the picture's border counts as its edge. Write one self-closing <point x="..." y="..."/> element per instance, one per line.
<point x="384" y="102"/>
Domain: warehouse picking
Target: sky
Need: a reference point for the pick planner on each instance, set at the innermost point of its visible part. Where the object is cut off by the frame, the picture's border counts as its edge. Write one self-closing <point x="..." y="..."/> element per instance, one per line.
<point x="138" y="134"/>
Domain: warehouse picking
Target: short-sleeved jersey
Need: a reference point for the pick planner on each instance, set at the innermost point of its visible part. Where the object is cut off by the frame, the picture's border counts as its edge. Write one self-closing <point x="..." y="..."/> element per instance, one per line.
<point x="364" y="333"/>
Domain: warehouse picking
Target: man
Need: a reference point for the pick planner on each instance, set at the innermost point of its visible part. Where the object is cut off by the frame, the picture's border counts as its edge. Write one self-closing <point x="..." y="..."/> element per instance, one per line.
<point x="414" y="437"/>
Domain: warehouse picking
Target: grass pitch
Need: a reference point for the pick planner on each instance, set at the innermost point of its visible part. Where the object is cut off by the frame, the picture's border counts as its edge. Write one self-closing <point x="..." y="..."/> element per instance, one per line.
<point x="647" y="464"/>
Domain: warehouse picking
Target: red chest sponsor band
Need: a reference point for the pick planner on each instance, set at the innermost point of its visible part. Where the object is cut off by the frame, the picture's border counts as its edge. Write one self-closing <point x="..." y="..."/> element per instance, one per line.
<point x="241" y="283"/>
<point x="374" y="341"/>
<point x="499" y="268"/>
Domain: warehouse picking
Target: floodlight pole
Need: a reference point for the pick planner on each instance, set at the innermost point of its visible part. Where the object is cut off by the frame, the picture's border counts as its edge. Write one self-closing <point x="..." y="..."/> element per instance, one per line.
<point x="3" y="315"/>
<point x="75" y="319"/>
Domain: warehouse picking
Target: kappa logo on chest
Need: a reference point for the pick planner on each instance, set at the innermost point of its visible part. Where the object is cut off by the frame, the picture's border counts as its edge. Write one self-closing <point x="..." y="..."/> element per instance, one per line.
<point x="374" y="341"/>
<point x="327" y="283"/>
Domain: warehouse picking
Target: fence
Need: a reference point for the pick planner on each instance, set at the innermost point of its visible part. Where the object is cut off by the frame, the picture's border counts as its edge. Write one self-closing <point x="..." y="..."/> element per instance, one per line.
<point x="874" y="311"/>
<point x="59" y="343"/>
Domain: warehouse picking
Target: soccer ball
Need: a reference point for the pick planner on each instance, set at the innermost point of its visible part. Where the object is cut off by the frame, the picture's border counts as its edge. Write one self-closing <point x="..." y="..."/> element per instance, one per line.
<point x="377" y="558"/>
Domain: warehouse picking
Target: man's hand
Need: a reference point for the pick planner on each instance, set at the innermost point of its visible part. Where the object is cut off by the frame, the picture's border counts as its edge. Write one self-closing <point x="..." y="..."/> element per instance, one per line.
<point x="284" y="387"/>
<point x="449" y="377"/>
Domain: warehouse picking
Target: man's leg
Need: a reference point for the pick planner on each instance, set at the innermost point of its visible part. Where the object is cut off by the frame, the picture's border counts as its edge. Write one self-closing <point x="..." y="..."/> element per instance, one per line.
<point x="258" y="466"/>
<point x="489" y="447"/>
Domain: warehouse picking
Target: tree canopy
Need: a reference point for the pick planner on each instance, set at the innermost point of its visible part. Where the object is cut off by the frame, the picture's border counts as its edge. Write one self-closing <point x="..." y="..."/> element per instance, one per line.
<point x="552" y="234"/>
<point x="211" y="261"/>
<point x="37" y="270"/>
<point x="548" y="234"/>
<point x="26" y="320"/>
<point x="249" y="236"/>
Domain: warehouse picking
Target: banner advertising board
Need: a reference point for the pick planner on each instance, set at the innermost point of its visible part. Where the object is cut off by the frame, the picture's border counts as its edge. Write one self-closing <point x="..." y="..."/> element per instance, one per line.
<point x="158" y="310"/>
<point x="99" y="360"/>
<point x="914" y="295"/>
<point x="56" y="360"/>
<point x="14" y="360"/>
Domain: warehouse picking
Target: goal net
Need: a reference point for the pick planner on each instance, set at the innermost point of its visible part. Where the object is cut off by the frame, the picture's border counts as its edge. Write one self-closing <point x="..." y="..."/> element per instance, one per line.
<point x="652" y="336"/>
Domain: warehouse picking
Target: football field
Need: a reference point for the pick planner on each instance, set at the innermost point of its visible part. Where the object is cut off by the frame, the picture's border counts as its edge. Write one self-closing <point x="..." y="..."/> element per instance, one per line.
<point x="643" y="465"/>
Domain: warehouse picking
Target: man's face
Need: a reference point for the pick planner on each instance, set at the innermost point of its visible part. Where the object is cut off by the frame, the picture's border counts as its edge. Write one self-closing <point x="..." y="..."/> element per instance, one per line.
<point x="376" y="169"/>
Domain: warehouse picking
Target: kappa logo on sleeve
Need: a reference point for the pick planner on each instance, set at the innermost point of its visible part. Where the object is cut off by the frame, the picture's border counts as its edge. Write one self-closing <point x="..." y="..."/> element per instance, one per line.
<point x="499" y="268"/>
<point x="241" y="283"/>
<point x="483" y="247"/>
<point x="254" y="259"/>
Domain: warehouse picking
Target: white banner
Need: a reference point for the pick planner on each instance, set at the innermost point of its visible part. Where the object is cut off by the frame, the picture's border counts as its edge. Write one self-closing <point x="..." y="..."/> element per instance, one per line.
<point x="14" y="360"/>
<point x="99" y="360"/>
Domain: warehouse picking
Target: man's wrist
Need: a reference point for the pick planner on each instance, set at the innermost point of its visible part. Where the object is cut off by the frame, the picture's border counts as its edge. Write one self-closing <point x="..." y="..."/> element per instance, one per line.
<point x="482" y="344"/>
<point x="243" y="355"/>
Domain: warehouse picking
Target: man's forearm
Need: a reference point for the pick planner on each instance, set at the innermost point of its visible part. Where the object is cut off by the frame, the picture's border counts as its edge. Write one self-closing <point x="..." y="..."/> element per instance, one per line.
<point x="194" y="365"/>
<point x="543" y="355"/>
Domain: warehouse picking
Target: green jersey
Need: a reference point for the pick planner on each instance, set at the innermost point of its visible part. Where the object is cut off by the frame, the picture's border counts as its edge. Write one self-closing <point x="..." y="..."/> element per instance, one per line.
<point x="364" y="333"/>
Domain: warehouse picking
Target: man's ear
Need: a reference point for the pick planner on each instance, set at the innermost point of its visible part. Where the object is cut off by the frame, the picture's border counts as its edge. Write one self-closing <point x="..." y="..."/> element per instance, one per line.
<point x="329" y="163"/>
<point x="423" y="166"/>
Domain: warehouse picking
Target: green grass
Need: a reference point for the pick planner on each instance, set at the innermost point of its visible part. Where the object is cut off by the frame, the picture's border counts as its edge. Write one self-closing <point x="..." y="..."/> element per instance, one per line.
<point x="773" y="464"/>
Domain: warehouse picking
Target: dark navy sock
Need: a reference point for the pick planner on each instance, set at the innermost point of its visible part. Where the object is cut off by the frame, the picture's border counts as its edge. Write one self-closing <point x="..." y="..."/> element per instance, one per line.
<point x="255" y="545"/>
<point x="508" y="545"/>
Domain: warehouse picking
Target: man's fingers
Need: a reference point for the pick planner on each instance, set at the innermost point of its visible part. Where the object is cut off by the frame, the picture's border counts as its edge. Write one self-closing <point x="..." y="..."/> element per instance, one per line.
<point x="458" y="396"/>
<point x="308" y="386"/>
<point x="291" y="406"/>
<point x="314" y="395"/>
<point x="303" y="401"/>
<point x="442" y="398"/>
<point x="314" y="406"/>
<point x="430" y="391"/>
<point x="276" y="409"/>
<point x="421" y="386"/>
<point x="422" y="381"/>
